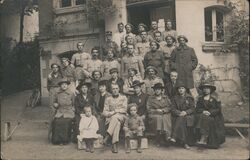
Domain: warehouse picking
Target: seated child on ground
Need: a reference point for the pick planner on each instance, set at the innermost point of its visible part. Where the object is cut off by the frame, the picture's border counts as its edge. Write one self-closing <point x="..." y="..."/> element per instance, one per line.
<point x="88" y="127"/>
<point x="133" y="127"/>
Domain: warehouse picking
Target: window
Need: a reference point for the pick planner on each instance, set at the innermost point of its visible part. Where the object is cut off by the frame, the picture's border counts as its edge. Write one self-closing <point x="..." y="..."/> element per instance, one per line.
<point x="71" y="3"/>
<point x="214" y="25"/>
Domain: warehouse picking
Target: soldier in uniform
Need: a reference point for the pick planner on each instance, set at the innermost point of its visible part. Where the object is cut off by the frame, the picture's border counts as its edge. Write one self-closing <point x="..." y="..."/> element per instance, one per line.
<point x="143" y="47"/>
<point x="169" y="30"/>
<point x="110" y="62"/>
<point x="78" y="60"/>
<point x="129" y="28"/>
<point x="92" y="64"/>
<point x="142" y="28"/>
<point x="109" y="44"/>
<point x="132" y="61"/>
<point x="118" y="36"/>
<point x="154" y="28"/>
<point x="115" y="109"/>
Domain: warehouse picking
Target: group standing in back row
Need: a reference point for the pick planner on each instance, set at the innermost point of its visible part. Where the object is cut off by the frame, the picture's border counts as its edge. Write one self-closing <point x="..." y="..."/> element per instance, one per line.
<point x="141" y="82"/>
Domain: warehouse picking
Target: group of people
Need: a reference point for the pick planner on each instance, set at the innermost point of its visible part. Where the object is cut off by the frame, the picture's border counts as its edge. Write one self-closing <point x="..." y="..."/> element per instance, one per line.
<point x="133" y="84"/>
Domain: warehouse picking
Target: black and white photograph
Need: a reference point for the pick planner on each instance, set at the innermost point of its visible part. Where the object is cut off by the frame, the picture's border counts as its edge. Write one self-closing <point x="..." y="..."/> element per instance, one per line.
<point x="124" y="79"/>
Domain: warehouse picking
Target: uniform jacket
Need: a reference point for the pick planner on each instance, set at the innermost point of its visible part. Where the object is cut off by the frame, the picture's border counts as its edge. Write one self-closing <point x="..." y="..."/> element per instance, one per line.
<point x="65" y="100"/>
<point x="132" y="61"/>
<point x="69" y="73"/>
<point x="118" y="104"/>
<point x="107" y="65"/>
<point x="91" y="65"/>
<point x="184" y="61"/>
<point x="78" y="59"/>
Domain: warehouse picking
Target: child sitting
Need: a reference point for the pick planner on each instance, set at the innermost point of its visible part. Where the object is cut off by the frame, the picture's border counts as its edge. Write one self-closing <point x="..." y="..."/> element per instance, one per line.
<point x="133" y="127"/>
<point x="88" y="127"/>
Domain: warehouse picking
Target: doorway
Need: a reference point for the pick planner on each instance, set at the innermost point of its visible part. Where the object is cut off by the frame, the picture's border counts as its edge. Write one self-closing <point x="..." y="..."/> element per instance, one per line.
<point x="147" y="11"/>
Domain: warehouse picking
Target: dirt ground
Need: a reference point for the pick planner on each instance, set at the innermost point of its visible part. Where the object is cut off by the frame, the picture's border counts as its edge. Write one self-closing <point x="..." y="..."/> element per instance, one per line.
<point x="29" y="141"/>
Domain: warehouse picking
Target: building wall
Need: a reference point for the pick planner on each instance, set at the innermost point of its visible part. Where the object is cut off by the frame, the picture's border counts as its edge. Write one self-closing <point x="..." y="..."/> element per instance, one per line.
<point x="190" y="22"/>
<point x="10" y="26"/>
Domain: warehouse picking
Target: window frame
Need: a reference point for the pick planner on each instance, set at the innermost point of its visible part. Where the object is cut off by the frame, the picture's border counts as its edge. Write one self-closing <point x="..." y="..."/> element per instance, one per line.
<point x="214" y="24"/>
<point x="69" y="9"/>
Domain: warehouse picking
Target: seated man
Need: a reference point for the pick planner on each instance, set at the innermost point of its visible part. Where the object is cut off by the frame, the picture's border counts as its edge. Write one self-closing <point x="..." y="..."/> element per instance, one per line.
<point x="209" y="119"/>
<point x="115" y="109"/>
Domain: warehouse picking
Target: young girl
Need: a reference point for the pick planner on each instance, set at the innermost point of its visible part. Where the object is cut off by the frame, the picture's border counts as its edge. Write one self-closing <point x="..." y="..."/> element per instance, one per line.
<point x="88" y="127"/>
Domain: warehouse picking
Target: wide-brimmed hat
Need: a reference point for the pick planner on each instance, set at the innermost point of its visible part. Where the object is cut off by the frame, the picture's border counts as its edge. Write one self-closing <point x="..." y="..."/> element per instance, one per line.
<point x="158" y="86"/>
<point x="136" y="83"/>
<point x="129" y="24"/>
<point x="83" y="83"/>
<point x="151" y="67"/>
<point x="182" y="36"/>
<point x="112" y="70"/>
<point x="131" y="68"/>
<point x="54" y="64"/>
<point x="142" y="24"/>
<point x="173" y="38"/>
<point x="158" y="45"/>
<point x="64" y="80"/>
<point x="207" y="85"/>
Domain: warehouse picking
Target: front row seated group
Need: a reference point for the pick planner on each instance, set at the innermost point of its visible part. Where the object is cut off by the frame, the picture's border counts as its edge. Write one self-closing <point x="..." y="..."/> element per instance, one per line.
<point x="172" y="120"/>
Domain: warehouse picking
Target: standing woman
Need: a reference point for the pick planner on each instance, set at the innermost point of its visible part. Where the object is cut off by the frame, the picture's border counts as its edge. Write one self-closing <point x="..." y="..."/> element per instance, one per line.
<point x="159" y="114"/>
<point x="209" y="119"/>
<point x="62" y="123"/>
<point x="183" y="117"/>
<point x="83" y="99"/>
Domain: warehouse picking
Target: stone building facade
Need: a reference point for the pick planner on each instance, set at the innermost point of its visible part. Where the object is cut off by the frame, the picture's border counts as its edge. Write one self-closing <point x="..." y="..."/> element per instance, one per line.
<point x="63" y="23"/>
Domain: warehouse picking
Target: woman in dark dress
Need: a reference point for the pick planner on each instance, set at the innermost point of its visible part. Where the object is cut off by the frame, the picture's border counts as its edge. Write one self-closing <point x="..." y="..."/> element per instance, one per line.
<point x="81" y="100"/>
<point x="182" y="117"/>
<point x="209" y="119"/>
<point x="64" y="114"/>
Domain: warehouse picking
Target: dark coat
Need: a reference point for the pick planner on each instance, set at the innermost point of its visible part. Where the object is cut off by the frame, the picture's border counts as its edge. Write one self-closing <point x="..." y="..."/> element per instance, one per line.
<point x="141" y="101"/>
<point x="155" y="59"/>
<point x="120" y="83"/>
<point x="184" y="61"/>
<point x="170" y="90"/>
<point x="99" y="109"/>
<point x="79" y="104"/>
<point x="214" y="122"/>
<point x="183" y="125"/>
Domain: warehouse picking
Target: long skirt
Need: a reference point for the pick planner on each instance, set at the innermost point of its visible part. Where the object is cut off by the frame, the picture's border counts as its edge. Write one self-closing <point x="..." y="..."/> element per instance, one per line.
<point x="160" y="123"/>
<point x="182" y="131"/>
<point x="61" y="130"/>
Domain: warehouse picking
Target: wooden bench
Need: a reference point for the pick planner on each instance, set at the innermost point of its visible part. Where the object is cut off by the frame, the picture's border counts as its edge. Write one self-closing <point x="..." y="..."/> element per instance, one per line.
<point x="236" y="126"/>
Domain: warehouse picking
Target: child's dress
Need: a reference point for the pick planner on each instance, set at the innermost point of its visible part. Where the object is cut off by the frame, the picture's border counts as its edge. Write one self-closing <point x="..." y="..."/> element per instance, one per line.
<point x="88" y="127"/>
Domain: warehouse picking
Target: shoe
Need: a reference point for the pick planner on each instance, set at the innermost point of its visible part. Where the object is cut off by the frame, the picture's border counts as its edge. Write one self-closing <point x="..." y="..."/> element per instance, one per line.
<point x="92" y="146"/>
<point x="105" y="140"/>
<point x="172" y="140"/>
<point x="203" y="140"/>
<point x="115" y="148"/>
<point x="186" y="146"/>
<point x="128" y="149"/>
